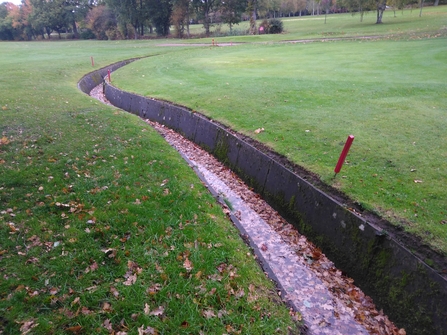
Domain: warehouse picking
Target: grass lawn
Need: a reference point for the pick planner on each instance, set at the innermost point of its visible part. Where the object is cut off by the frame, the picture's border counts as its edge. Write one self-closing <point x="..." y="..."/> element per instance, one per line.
<point x="389" y="93"/>
<point x="103" y="227"/>
<point x="406" y="24"/>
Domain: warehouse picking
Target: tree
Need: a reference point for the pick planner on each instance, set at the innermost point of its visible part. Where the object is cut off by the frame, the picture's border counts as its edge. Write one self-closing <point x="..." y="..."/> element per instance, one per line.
<point x="231" y="11"/>
<point x="180" y="17"/>
<point x="133" y="12"/>
<point x="360" y="6"/>
<point x="6" y="29"/>
<point x="326" y="5"/>
<point x="251" y="10"/>
<point x="103" y="22"/>
<point x="76" y="10"/>
<point x="204" y="10"/>
<point x="380" y="7"/>
<point x="160" y="14"/>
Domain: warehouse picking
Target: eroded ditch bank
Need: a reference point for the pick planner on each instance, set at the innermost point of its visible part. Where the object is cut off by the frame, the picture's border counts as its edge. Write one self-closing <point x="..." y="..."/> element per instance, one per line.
<point x="413" y="294"/>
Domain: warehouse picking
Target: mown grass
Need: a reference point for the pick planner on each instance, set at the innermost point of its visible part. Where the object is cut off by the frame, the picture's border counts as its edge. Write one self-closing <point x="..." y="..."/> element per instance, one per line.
<point x="389" y="93"/>
<point x="103" y="227"/>
<point x="406" y="24"/>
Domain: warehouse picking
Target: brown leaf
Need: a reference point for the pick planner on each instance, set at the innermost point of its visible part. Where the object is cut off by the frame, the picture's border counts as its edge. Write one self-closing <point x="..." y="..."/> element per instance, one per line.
<point x="74" y="329"/>
<point x="187" y="264"/>
<point x="131" y="279"/>
<point x="153" y="289"/>
<point x="85" y="311"/>
<point x="147" y="309"/>
<point x="4" y="140"/>
<point x="148" y="330"/>
<point x="114" y="291"/>
<point x="108" y="325"/>
<point x="158" y="311"/>
<point x="208" y="313"/>
<point x="27" y="326"/>
<point x="75" y="301"/>
<point x="106" y="307"/>
<point x="54" y="290"/>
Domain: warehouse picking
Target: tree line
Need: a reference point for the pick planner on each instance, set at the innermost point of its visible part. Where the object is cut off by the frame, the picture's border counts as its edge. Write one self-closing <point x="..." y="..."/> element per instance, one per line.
<point x="125" y="19"/>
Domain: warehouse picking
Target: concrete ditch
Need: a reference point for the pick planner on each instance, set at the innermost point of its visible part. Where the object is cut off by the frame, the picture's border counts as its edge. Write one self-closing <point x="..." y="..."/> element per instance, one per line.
<point x="412" y="293"/>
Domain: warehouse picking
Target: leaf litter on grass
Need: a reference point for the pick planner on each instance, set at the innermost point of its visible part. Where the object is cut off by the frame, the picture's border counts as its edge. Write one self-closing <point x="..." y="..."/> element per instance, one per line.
<point x="88" y="248"/>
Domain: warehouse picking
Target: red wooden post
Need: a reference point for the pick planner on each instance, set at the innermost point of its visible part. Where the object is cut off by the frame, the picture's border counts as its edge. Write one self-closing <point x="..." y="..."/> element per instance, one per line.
<point x="93" y="62"/>
<point x="213" y="41"/>
<point x="344" y="153"/>
<point x="108" y="76"/>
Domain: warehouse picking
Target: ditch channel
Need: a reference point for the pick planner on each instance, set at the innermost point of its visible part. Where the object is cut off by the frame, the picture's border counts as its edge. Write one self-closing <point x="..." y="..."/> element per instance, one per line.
<point x="387" y="264"/>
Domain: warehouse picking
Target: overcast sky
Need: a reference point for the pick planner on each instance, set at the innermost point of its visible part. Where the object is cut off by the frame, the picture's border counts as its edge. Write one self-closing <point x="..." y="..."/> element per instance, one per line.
<point x="16" y="2"/>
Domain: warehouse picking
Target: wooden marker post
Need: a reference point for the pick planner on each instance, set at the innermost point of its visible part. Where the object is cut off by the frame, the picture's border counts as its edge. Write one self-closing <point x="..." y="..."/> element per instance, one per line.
<point x="344" y="153"/>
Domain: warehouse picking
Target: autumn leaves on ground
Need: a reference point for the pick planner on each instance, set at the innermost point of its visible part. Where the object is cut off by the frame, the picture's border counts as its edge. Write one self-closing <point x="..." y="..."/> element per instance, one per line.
<point x="103" y="227"/>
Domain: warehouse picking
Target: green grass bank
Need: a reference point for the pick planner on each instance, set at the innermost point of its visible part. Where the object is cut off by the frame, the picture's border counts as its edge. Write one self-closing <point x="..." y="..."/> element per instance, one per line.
<point x="388" y="93"/>
<point x="103" y="227"/>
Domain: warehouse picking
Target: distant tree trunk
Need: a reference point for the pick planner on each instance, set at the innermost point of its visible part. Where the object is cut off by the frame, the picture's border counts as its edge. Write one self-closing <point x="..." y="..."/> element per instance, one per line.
<point x="75" y="30"/>
<point x="436" y="3"/>
<point x="135" y="31"/>
<point x="381" y="6"/>
<point x="251" y="9"/>
<point x="187" y="24"/>
<point x="421" y="5"/>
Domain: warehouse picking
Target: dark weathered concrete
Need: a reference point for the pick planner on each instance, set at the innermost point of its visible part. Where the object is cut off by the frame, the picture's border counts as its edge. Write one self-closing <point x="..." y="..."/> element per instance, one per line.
<point x="411" y="293"/>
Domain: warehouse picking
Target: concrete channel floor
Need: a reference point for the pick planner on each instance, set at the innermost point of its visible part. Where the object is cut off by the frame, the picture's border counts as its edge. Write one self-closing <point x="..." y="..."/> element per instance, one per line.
<point x="307" y="281"/>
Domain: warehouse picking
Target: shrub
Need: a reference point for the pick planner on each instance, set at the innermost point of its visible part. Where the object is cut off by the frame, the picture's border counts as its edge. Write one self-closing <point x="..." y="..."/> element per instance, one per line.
<point x="87" y="35"/>
<point x="264" y="27"/>
<point x="275" y="26"/>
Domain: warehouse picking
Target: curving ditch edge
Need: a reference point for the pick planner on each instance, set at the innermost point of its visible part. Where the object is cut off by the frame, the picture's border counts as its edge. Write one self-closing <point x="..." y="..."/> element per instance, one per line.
<point x="411" y="293"/>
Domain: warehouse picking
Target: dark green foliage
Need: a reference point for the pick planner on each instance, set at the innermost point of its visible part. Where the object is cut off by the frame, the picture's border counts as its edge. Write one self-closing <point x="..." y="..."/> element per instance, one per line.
<point x="160" y="13"/>
<point x="231" y="12"/>
<point x="87" y="34"/>
<point x="275" y="26"/>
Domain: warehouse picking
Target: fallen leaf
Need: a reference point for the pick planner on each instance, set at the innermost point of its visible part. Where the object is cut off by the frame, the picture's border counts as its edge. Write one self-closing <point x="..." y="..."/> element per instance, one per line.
<point x="86" y="311"/>
<point x="146" y="309"/>
<point x="75" y="301"/>
<point x="259" y="130"/>
<point x="27" y="326"/>
<point x="4" y="140"/>
<point x="417" y="181"/>
<point x="187" y="264"/>
<point x="114" y="291"/>
<point x="153" y="289"/>
<point x="208" y="313"/>
<point x="149" y="330"/>
<point x="131" y="279"/>
<point x="74" y="329"/>
<point x="158" y="311"/>
<point x="108" y="325"/>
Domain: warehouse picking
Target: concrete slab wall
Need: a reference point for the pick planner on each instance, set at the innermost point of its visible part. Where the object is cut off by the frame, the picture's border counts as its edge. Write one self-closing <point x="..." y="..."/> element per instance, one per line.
<point x="413" y="294"/>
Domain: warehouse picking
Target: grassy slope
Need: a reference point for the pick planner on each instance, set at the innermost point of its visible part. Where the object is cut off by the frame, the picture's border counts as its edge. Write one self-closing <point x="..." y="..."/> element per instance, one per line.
<point x="406" y="23"/>
<point x="101" y="222"/>
<point x="389" y="93"/>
